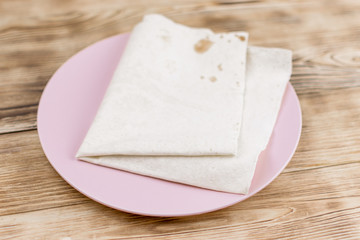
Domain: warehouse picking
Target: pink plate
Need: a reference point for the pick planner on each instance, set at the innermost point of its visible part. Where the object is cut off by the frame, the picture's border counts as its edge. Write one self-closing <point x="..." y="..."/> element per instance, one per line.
<point x="67" y="108"/>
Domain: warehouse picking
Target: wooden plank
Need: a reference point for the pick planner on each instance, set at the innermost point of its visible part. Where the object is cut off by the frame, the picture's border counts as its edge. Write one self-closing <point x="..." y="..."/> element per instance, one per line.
<point x="331" y="129"/>
<point x="304" y="218"/>
<point x="18" y="118"/>
<point x="35" y="44"/>
<point x="27" y="180"/>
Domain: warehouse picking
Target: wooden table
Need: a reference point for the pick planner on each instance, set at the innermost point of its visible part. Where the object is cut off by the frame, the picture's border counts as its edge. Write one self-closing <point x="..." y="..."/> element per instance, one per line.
<point x="316" y="197"/>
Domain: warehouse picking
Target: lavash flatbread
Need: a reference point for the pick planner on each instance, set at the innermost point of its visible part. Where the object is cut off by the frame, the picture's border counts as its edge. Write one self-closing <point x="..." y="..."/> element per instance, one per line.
<point x="267" y="73"/>
<point x="176" y="91"/>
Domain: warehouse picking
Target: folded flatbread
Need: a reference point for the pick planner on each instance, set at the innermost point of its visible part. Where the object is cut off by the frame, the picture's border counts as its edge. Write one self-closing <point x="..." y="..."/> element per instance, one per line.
<point x="267" y="73"/>
<point x="205" y="114"/>
<point x="176" y="91"/>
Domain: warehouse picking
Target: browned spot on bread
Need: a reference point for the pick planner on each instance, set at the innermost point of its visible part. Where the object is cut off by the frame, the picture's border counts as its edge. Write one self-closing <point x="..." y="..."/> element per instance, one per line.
<point x="242" y="38"/>
<point x="203" y="45"/>
<point x="220" y="67"/>
<point x="213" y="79"/>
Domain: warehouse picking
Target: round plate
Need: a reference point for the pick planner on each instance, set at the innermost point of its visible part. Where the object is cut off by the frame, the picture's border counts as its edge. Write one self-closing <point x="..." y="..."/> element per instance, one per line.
<point x="67" y="108"/>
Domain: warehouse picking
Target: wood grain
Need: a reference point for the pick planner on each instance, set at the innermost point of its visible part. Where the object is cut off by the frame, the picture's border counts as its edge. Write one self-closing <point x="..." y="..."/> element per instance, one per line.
<point x="316" y="197"/>
<point x="337" y="218"/>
